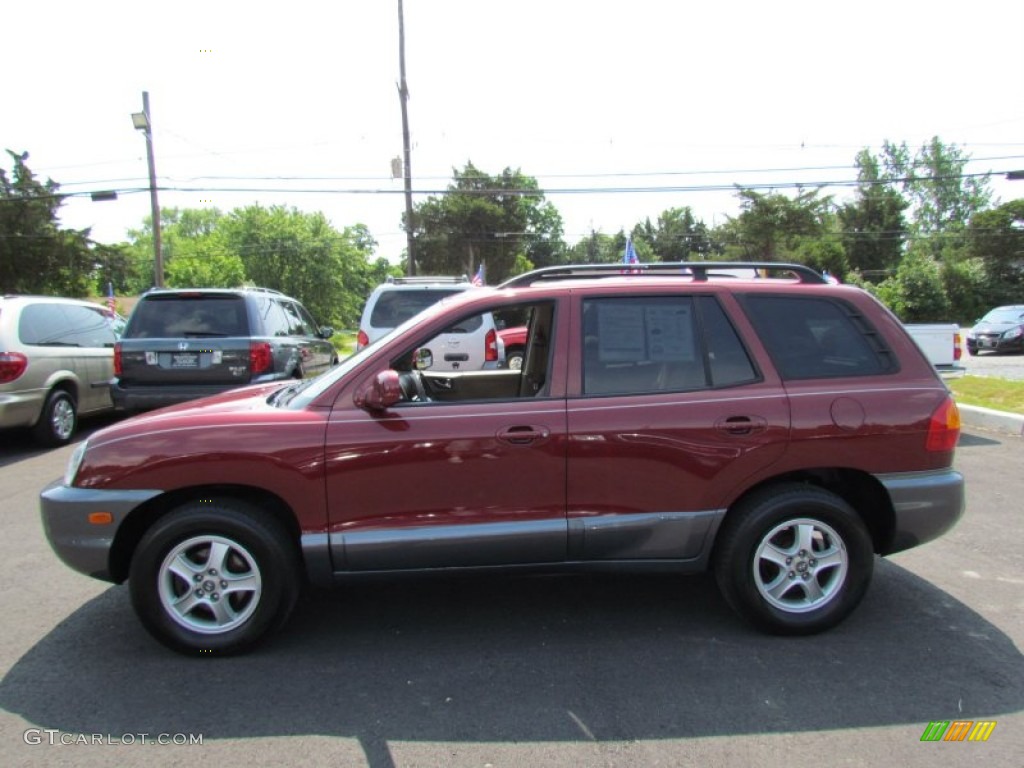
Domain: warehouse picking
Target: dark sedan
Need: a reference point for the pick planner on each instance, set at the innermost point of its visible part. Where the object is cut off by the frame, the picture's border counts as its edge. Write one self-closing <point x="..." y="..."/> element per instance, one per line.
<point x="1001" y="330"/>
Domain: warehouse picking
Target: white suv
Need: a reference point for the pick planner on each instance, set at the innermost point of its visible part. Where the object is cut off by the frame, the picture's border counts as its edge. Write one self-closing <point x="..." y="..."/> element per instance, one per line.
<point x="470" y="345"/>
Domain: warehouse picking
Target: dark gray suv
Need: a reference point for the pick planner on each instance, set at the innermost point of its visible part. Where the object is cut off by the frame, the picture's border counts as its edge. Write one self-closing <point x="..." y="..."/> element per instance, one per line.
<point x="187" y="343"/>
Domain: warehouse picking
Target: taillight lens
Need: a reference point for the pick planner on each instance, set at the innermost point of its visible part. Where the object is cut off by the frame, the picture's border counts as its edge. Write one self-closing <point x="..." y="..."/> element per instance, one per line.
<point x="956" y="347"/>
<point x="261" y="358"/>
<point x="944" y="427"/>
<point x="491" y="346"/>
<point x="117" y="359"/>
<point x="12" y="365"/>
<point x="362" y="340"/>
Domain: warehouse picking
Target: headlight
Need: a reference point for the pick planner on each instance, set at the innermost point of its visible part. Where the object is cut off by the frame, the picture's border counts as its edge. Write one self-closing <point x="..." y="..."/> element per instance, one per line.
<point x="75" y="462"/>
<point x="1013" y="333"/>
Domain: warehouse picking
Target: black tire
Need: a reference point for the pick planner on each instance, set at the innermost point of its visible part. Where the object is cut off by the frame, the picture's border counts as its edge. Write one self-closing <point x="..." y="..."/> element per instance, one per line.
<point x="219" y="544"/>
<point x="58" y="420"/>
<point x="514" y="360"/>
<point x="829" y="565"/>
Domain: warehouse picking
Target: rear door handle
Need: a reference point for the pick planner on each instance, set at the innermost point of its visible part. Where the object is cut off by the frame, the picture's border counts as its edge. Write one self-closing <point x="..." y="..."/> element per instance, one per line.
<point x="742" y="425"/>
<point x="523" y="435"/>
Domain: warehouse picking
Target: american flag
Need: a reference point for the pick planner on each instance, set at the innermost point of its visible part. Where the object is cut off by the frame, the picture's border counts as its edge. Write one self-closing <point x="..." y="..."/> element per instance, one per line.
<point x="111" y="302"/>
<point x="478" y="278"/>
<point x="629" y="257"/>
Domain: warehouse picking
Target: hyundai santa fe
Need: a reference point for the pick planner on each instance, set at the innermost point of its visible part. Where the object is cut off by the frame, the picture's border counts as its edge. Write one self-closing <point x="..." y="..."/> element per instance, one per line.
<point x="778" y="431"/>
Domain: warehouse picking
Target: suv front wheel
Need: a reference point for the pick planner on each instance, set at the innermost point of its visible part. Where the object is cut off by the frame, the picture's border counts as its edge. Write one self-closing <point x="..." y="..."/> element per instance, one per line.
<point x="214" y="577"/>
<point x="794" y="559"/>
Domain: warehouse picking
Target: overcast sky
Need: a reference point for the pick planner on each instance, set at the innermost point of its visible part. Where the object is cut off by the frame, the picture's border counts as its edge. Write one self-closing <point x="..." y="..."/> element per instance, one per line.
<point x="279" y="97"/>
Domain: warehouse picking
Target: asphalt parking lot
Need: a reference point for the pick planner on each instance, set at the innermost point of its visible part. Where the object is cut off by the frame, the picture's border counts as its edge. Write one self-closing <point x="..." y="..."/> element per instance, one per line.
<point x="543" y="671"/>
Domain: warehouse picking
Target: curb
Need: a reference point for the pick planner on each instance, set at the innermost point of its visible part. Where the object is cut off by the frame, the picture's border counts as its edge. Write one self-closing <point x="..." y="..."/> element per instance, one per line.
<point x="996" y="421"/>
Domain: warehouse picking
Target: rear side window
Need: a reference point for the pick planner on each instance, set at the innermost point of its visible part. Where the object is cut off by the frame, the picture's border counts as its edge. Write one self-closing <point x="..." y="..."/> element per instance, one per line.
<point x="659" y="344"/>
<point x="189" y="317"/>
<point x="812" y="337"/>
<point x="65" y="325"/>
<point x="395" y="307"/>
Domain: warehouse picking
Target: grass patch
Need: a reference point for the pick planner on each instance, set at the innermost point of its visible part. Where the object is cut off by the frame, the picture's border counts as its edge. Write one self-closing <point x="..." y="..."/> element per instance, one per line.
<point x="988" y="392"/>
<point x="344" y="342"/>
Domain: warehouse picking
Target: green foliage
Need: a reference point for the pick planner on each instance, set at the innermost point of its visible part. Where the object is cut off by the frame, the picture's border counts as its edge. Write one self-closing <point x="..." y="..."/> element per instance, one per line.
<point x="941" y="198"/>
<point x="494" y="220"/>
<point x="302" y="255"/>
<point x="678" y="236"/>
<point x="916" y="292"/>
<point x="873" y="226"/>
<point x="36" y="255"/>
<point x="770" y="226"/>
<point x="996" y="238"/>
<point x="968" y="289"/>
<point x="598" y="248"/>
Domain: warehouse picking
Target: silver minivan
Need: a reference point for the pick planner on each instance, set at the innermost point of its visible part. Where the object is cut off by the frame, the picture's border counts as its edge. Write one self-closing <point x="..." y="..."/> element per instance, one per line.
<point x="56" y="363"/>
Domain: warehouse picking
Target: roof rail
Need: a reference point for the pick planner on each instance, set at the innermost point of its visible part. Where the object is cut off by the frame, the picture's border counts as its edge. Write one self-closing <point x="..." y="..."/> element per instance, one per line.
<point x="700" y="271"/>
<point x="256" y="288"/>
<point x="417" y="280"/>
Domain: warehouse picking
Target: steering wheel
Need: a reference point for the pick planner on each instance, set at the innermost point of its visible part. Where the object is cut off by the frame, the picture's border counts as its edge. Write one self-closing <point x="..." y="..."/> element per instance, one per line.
<point x="412" y="386"/>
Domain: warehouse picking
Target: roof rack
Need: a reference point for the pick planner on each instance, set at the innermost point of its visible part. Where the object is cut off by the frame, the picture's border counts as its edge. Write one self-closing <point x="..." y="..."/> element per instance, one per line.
<point x="700" y="271"/>
<point x="427" y="279"/>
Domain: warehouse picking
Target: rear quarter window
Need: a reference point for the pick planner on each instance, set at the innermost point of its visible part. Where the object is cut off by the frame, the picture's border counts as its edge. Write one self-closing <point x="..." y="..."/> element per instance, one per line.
<point x="810" y="337"/>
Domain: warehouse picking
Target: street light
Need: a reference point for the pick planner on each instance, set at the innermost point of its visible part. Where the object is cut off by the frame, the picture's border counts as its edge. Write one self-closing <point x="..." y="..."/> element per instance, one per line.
<point x="141" y="122"/>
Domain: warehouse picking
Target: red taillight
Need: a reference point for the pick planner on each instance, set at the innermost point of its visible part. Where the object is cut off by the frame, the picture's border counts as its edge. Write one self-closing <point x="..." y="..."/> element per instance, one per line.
<point x="956" y="347"/>
<point x="117" y="359"/>
<point x="12" y="365"/>
<point x="260" y="357"/>
<point x="491" y="346"/>
<point x="362" y="340"/>
<point x="944" y="427"/>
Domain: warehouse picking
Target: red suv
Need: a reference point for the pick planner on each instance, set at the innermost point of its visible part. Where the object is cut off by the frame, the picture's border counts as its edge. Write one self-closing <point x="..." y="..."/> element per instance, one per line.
<point x="776" y="430"/>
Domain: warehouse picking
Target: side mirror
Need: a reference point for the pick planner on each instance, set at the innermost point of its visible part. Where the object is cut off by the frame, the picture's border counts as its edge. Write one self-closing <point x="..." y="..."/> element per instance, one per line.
<point x="325" y="332"/>
<point x="382" y="392"/>
<point x="423" y="359"/>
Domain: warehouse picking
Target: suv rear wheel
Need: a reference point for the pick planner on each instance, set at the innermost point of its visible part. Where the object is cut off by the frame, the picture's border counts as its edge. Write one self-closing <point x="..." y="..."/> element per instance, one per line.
<point x="794" y="559"/>
<point x="214" y="577"/>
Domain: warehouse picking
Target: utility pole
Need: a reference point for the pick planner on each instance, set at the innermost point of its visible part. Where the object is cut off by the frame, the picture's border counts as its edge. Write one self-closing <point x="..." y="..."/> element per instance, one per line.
<point x="403" y="96"/>
<point x="143" y="122"/>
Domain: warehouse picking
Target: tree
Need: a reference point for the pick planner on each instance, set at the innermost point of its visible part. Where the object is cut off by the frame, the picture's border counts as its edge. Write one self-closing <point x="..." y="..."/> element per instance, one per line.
<point x="769" y="225"/>
<point x="301" y="254"/>
<point x="873" y="226"/>
<point x="678" y="236"/>
<point x="916" y="292"/>
<point x="36" y="255"/>
<point x="500" y="221"/>
<point x="996" y="238"/>
<point x="941" y="197"/>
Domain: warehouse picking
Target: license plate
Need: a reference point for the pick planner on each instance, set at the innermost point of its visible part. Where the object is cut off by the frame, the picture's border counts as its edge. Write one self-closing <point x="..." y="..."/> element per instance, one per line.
<point x="185" y="360"/>
<point x="987" y="343"/>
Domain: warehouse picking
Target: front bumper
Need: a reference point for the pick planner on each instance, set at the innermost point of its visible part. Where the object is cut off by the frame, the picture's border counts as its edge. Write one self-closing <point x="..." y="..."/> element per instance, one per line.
<point x="926" y="505"/>
<point x="994" y="344"/>
<point x="83" y="545"/>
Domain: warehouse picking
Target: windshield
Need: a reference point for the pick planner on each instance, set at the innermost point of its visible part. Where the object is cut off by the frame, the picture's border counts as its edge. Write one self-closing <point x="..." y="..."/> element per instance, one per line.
<point x="1004" y="315"/>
